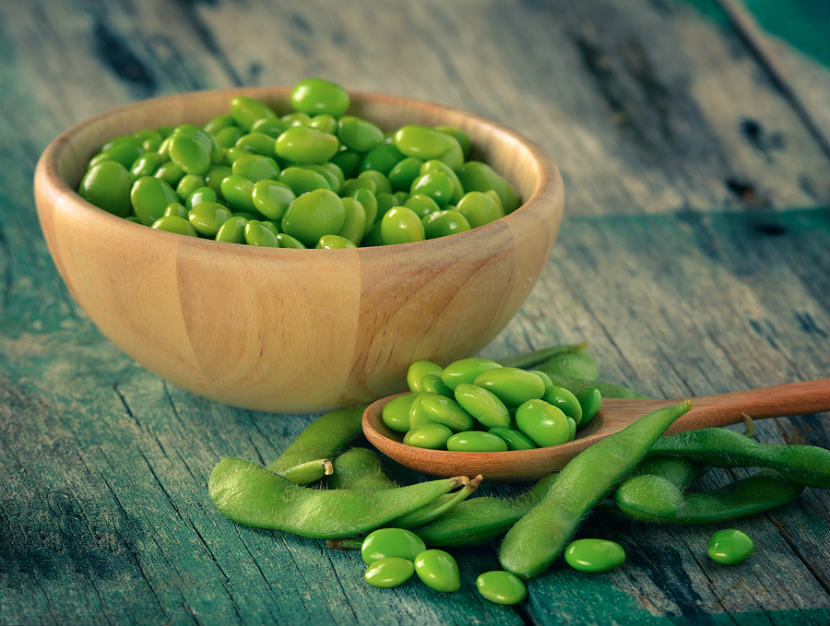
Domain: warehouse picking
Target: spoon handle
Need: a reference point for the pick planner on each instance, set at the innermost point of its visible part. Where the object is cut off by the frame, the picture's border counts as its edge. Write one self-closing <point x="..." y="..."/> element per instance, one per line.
<point x="811" y="396"/>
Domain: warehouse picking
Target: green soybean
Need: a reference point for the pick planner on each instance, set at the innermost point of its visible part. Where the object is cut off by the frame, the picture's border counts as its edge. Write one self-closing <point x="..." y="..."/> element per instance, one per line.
<point x="433" y="384"/>
<point x="107" y="185"/>
<point x="246" y="111"/>
<point x="730" y="546"/>
<point x="190" y="154"/>
<point x="437" y="185"/>
<point x="359" y="134"/>
<point x="511" y="385"/>
<point x="433" y="407"/>
<point x="238" y="193"/>
<point x="421" y="204"/>
<point x="333" y="242"/>
<point x="358" y="468"/>
<point x="251" y="495"/>
<point x="149" y="197"/>
<point x="303" y="144"/>
<point x="232" y="230"/>
<point x="478" y="208"/>
<point x="466" y="370"/>
<point x="388" y="542"/>
<point x="564" y="400"/>
<point x="287" y="241"/>
<point x="271" y="198"/>
<point x="501" y="587"/>
<point x="312" y="215"/>
<point x="389" y="572"/>
<point x="590" y="400"/>
<point x="174" y="208"/>
<point x="482" y="404"/>
<point x="315" y="96"/>
<point x="354" y="221"/>
<point x="514" y="439"/>
<point x="255" y="143"/>
<point x="257" y="234"/>
<point x="302" y="180"/>
<point x="476" y="441"/>
<point x="395" y="413"/>
<point x="429" y="435"/>
<point x="208" y="217"/>
<point x="256" y="167"/>
<point x="401" y="225"/>
<point x="594" y="555"/>
<point x="416" y="372"/>
<point x="382" y="158"/>
<point x="544" y="423"/>
<point x="721" y="447"/>
<point x="422" y="142"/>
<point x="404" y="173"/>
<point x="443" y="223"/>
<point x="199" y="195"/>
<point x="438" y="569"/>
<point x="540" y="536"/>
<point x="174" y="224"/>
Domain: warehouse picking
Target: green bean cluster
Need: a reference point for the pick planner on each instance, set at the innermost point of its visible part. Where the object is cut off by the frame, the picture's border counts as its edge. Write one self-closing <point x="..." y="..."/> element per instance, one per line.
<point x="479" y="405"/>
<point x="314" y="177"/>
<point x="405" y="530"/>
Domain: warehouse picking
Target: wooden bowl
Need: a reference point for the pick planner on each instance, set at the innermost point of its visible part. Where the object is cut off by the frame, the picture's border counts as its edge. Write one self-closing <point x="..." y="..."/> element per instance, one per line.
<point x="294" y="330"/>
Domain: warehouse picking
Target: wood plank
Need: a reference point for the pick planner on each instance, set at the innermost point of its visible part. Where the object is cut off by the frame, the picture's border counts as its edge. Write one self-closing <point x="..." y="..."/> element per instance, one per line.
<point x="650" y="119"/>
<point x="108" y="464"/>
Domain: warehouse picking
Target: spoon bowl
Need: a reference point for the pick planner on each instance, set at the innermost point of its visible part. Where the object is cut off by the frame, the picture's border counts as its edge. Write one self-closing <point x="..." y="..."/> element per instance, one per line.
<point x="614" y="415"/>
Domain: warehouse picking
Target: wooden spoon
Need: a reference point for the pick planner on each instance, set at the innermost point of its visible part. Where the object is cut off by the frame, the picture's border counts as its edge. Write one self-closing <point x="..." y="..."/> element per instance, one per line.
<point x="615" y="414"/>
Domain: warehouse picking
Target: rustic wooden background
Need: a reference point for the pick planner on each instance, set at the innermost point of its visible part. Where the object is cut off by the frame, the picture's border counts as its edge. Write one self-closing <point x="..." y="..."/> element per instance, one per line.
<point x="694" y="257"/>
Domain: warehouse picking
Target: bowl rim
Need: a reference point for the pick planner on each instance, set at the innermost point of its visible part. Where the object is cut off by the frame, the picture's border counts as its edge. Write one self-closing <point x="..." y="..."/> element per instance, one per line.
<point x="48" y="178"/>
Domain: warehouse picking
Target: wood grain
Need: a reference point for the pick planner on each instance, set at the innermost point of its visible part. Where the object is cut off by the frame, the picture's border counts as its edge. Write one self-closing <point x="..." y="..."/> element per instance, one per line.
<point x="693" y="257"/>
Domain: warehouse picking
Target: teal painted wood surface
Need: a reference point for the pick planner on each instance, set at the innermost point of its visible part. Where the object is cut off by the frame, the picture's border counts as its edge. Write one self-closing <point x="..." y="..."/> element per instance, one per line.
<point x="693" y="257"/>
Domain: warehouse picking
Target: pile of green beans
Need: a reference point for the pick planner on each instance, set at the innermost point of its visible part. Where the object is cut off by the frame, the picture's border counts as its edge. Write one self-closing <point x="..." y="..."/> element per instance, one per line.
<point x="314" y="177"/>
<point x="480" y="405"/>
<point x="407" y="528"/>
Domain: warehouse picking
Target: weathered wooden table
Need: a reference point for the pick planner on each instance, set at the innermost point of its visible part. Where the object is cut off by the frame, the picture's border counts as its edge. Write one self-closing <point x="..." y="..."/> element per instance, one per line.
<point x="694" y="257"/>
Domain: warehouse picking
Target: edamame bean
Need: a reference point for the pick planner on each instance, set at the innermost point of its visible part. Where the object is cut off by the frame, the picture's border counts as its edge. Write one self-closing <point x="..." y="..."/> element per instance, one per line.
<point x="435" y="165"/>
<point x="389" y="572"/>
<point x="433" y="407"/>
<point x="202" y="194"/>
<point x="370" y="205"/>
<point x="207" y="217"/>
<point x="348" y="161"/>
<point x="512" y="385"/>
<point x="501" y="587"/>
<point x="416" y="372"/>
<point x="382" y="158"/>
<point x="256" y="167"/>
<point x="257" y="234"/>
<point x="271" y="126"/>
<point x="730" y="546"/>
<point x="443" y="223"/>
<point x="514" y="439"/>
<point x="438" y="569"/>
<point x="433" y="384"/>
<point x="314" y="96"/>
<point x="302" y="180"/>
<point x="358" y="134"/>
<point x="428" y="435"/>
<point x="466" y="371"/>
<point x="246" y="111"/>
<point x="303" y="144"/>
<point x="482" y="404"/>
<point x="174" y="208"/>
<point x="354" y="221"/>
<point x="566" y="401"/>
<point x="312" y="215"/>
<point x="421" y="204"/>
<point x="333" y="242"/>
<point x="460" y="136"/>
<point x="544" y="423"/>
<point x="359" y="468"/>
<point x="538" y="538"/>
<point x="437" y="185"/>
<point x="146" y="164"/>
<point x="217" y="123"/>
<point x="188" y="184"/>
<point x="256" y="143"/>
<point x="287" y="241"/>
<point x="149" y="197"/>
<point x="594" y="555"/>
<point x="271" y="198"/>
<point x="227" y="137"/>
<point x="422" y="142"/>
<point x="391" y="542"/>
<point x="395" y="413"/>
<point x="478" y="208"/>
<point x="174" y="224"/>
<point x="232" y="230"/>
<point x="325" y="122"/>
<point x="107" y="186"/>
<point x="404" y="173"/>
<point x="189" y="153"/>
<point x="401" y="225"/>
<point x="381" y="182"/>
<point x="476" y="441"/>
<point x="237" y="192"/>
<point x="590" y="400"/>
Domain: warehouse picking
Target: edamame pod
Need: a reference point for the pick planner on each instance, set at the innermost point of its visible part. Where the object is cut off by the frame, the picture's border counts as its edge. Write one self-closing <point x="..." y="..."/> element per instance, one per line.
<point x="251" y="495"/>
<point x="540" y="536"/>
<point x="721" y="447"/>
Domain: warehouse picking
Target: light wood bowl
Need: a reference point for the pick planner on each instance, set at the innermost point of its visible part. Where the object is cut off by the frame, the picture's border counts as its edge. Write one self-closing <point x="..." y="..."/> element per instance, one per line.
<point x="294" y="330"/>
